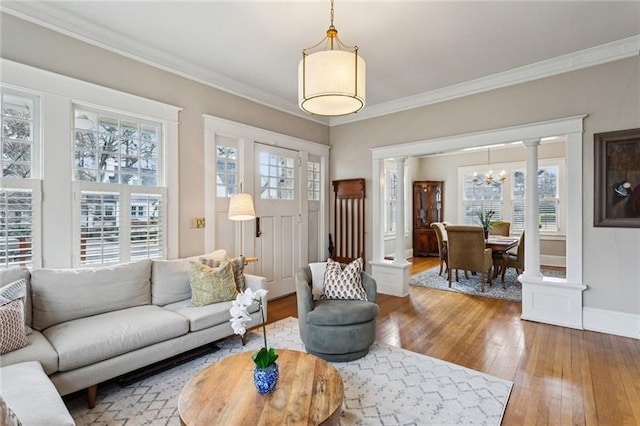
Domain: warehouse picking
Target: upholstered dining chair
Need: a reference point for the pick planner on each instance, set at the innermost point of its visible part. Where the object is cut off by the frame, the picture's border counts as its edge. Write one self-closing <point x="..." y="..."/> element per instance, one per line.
<point x="466" y="250"/>
<point x="441" y="234"/>
<point x="336" y="330"/>
<point x="500" y="228"/>
<point x="516" y="260"/>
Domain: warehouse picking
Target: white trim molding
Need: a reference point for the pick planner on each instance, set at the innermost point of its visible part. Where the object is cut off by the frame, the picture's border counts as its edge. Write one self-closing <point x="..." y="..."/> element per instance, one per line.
<point x="552" y="301"/>
<point x="612" y="322"/>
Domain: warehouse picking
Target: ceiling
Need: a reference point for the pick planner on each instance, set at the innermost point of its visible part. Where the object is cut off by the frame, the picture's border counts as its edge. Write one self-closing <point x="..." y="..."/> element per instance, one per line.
<point x="415" y="51"/>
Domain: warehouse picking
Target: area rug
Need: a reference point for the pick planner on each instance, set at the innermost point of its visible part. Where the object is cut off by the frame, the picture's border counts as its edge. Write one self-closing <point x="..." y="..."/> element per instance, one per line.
<point x="473" y="285"/>
<point x="389" y="386"/>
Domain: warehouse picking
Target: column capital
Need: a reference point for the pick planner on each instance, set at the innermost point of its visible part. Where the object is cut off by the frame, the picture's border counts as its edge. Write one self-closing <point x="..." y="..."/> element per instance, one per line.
<point x="531" y="142"/>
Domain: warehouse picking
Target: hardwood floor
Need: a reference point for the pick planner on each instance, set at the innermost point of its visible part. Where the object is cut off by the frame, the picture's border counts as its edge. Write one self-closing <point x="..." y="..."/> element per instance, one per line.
<point x="561" y="376"/>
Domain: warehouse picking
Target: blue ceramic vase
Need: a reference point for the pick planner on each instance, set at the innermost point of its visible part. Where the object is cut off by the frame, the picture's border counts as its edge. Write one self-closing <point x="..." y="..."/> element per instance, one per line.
<point x="266" y="379"/>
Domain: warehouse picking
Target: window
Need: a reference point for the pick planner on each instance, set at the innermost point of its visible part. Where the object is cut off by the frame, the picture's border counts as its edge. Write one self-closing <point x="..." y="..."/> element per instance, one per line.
<point x="226" y="171"/>
<point x="480" y="197"/>
<point x="313" y="180"/>
<point x="117" y="161"/>
<point x="507" y="199"/>
<point x="276" y="176"/>
<point x="19" y="183"/>
<point x="391" y="197"/>
<point x="548" y="194"/>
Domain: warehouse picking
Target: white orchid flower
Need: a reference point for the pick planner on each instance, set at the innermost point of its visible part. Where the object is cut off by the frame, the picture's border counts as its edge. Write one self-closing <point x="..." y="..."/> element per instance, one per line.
<point x="245" y="298"/>
<point x="259" y="294"/>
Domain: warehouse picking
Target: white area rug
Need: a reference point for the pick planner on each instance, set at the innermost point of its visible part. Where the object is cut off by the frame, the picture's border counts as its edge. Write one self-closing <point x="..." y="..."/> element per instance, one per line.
<point x="390" y="386"/>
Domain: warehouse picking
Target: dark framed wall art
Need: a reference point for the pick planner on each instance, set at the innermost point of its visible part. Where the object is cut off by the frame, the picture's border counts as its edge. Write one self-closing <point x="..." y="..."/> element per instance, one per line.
<point x="617" y="179"/>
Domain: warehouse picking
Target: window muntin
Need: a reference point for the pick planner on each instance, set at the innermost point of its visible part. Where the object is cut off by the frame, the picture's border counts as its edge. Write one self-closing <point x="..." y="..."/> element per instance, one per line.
<point x="117" y="163"/>
<point x="276" y="176"/>
<point x="313" y="180"/>
<point x="114" y="149"/>
<point x="226" y="171"/>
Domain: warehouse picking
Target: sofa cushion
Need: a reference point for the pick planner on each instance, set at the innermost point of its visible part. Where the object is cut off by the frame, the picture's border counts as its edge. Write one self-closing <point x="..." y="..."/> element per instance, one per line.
<point x="211" y="285"/>
<point x="92" y="339"/>
<point x="237" y="263"/>
<point x="341" y="312"/>
<point x="95" y="291"/>
<point x="214" y="259"/>
<point x="39" y="349"/>
<point x="169" y="281"/>
<point x="11" y="275"/>
<point x="12" y="332"/>
<point x="201" y="317"/>
<point x="30" y="394"/>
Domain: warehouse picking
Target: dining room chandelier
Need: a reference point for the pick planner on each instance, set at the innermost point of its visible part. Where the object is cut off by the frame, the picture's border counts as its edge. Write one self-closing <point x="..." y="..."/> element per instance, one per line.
<point x="488" y="178"/>
<point x="331" y="77"/>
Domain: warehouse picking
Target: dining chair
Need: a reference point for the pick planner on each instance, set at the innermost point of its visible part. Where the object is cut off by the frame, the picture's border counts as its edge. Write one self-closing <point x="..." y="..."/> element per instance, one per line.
<point x="500" y="228"/>
<point x="441" y="234"/>
<point x="516" y="260"/>
<point x="466" y="250"/>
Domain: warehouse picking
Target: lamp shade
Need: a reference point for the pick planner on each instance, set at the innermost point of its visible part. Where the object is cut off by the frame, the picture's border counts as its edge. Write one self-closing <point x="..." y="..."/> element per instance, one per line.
<point x="241" y="207"/>
<point x="332" y="82"/>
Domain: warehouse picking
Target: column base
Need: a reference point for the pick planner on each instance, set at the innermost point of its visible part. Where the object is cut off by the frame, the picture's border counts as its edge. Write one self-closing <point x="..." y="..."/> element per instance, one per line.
<point x="391" y="277"/>
<point x="552" y="301"/>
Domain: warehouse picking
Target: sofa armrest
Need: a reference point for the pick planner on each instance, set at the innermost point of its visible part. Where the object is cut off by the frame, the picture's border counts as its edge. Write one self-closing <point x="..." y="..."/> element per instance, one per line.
<point x="370" y="286"/>
<point x="255" y="282"/>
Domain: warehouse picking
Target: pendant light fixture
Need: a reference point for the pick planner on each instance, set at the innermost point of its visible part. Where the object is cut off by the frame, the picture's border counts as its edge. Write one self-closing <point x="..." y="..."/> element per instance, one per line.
<point x="331" y="77"/>
<point x="488" y="176"/>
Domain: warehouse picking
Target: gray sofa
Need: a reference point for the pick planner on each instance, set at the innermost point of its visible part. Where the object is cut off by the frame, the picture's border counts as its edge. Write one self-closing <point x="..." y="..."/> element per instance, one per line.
<point x="92" y="325"/>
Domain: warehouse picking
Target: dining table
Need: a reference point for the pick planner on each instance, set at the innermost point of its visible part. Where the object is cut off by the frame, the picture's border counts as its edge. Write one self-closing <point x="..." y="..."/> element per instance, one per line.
<point x="500" y="245"/>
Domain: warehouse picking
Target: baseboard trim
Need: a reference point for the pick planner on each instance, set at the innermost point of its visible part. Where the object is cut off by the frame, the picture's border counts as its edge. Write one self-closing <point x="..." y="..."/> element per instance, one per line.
<point x="611" y="322"/>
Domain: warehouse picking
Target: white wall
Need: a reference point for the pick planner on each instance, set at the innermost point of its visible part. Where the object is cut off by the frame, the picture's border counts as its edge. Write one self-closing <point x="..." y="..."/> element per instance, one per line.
<point x="609" y="94"/>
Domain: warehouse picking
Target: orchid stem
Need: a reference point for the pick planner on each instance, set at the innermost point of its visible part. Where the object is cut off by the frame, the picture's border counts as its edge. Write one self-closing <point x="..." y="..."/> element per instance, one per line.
<point x="264" y="327"/>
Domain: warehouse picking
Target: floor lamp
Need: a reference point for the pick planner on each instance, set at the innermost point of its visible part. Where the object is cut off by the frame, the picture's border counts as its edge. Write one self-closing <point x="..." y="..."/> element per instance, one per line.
<point x="241" y="209"/>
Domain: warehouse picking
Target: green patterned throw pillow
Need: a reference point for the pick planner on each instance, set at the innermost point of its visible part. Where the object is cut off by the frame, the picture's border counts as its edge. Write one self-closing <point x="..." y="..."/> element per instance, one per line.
<point x="211" y="285"/>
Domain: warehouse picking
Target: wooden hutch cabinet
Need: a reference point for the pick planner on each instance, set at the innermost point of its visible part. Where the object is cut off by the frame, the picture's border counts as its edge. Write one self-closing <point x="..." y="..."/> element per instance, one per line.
<point x="428" y="197"/>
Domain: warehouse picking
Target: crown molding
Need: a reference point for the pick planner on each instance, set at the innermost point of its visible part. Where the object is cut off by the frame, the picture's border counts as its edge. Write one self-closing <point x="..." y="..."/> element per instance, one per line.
<point x="51" y="17"/>
<point x="614" y="51"/>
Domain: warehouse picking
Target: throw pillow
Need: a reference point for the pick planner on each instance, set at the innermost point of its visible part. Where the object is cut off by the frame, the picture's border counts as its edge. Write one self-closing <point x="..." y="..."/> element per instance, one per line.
<point x="317" y="279"/>
<point x="211" y="285"/>
<point x="214" y="259"/>
<point x="238" y="264"/>
<point x="12" y="331"/>
<point x="15" y="290"/>
<point x="344" y="284"/>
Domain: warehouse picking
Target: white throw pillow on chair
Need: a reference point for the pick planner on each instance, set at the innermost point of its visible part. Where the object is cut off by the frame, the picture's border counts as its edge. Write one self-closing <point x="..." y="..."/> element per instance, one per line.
<point x="317" y="279"/>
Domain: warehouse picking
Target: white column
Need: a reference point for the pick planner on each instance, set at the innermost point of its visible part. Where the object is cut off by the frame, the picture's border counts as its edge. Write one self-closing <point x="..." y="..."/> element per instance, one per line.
<point x="399" y="256"/>
<point x="532" y="230"/>
<point x="377" y="190"/>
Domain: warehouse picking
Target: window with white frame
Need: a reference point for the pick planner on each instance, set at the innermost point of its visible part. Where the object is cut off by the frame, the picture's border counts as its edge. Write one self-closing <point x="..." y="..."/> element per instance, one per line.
<point x="120" y="191"/>
<point x="226" y="171"/>
<point x="313" y="180"/>
<point x="548" y="195"/>
<point x="391" y="197"/>
<point x="507" y="199"/>
<point x="19" y="183"/>
<point x="276" y="176"/>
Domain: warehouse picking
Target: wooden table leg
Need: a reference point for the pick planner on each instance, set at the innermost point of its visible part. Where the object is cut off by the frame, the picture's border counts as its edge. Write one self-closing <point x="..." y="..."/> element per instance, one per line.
<point x="505" y="262"/>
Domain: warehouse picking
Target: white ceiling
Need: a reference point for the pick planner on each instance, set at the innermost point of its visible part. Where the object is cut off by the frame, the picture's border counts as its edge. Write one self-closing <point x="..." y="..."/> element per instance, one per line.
<point x="413" y="49"/>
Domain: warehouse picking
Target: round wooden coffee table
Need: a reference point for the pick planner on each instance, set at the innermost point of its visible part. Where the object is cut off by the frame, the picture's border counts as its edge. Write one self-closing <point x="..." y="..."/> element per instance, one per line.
<point x="309" y="392"/>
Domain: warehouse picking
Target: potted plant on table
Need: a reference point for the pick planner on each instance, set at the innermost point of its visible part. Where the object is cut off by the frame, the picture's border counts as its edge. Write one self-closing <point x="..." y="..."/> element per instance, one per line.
<point x="265" y="373"/>
<point x="485" y="220"/>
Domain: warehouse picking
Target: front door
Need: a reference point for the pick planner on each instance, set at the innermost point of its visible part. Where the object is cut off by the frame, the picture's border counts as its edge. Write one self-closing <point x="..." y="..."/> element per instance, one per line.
<point x="277" y="203"/>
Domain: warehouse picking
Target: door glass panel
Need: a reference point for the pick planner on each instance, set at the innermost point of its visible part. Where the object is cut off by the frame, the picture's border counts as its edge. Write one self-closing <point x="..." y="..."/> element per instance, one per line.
<point x="276" y="176"/>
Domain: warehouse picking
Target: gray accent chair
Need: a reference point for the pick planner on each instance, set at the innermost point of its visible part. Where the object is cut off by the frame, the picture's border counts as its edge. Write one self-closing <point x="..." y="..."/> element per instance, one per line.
<point x="336" y="330"/>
